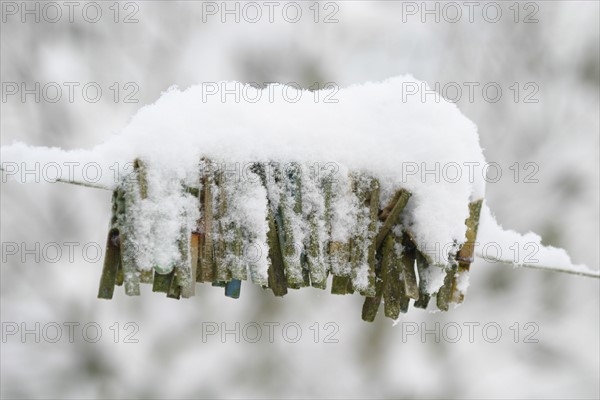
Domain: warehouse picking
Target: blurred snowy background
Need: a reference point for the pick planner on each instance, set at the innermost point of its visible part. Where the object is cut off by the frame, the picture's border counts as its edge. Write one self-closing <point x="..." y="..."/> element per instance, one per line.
<point x="170" y="44"/>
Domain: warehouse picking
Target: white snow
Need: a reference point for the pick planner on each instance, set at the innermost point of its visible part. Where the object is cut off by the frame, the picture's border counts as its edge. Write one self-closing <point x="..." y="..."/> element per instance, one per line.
<point x="494" y="243"/>
<point x="158" y="228"/>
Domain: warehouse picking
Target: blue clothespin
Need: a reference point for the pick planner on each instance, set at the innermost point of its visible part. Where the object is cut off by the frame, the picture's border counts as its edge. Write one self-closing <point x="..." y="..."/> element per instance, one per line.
<point x="233" y="288"/>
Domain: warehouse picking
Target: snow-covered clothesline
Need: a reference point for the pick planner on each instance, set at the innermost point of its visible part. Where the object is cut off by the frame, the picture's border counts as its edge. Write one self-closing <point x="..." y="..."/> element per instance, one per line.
<point x="366" y="137"/>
